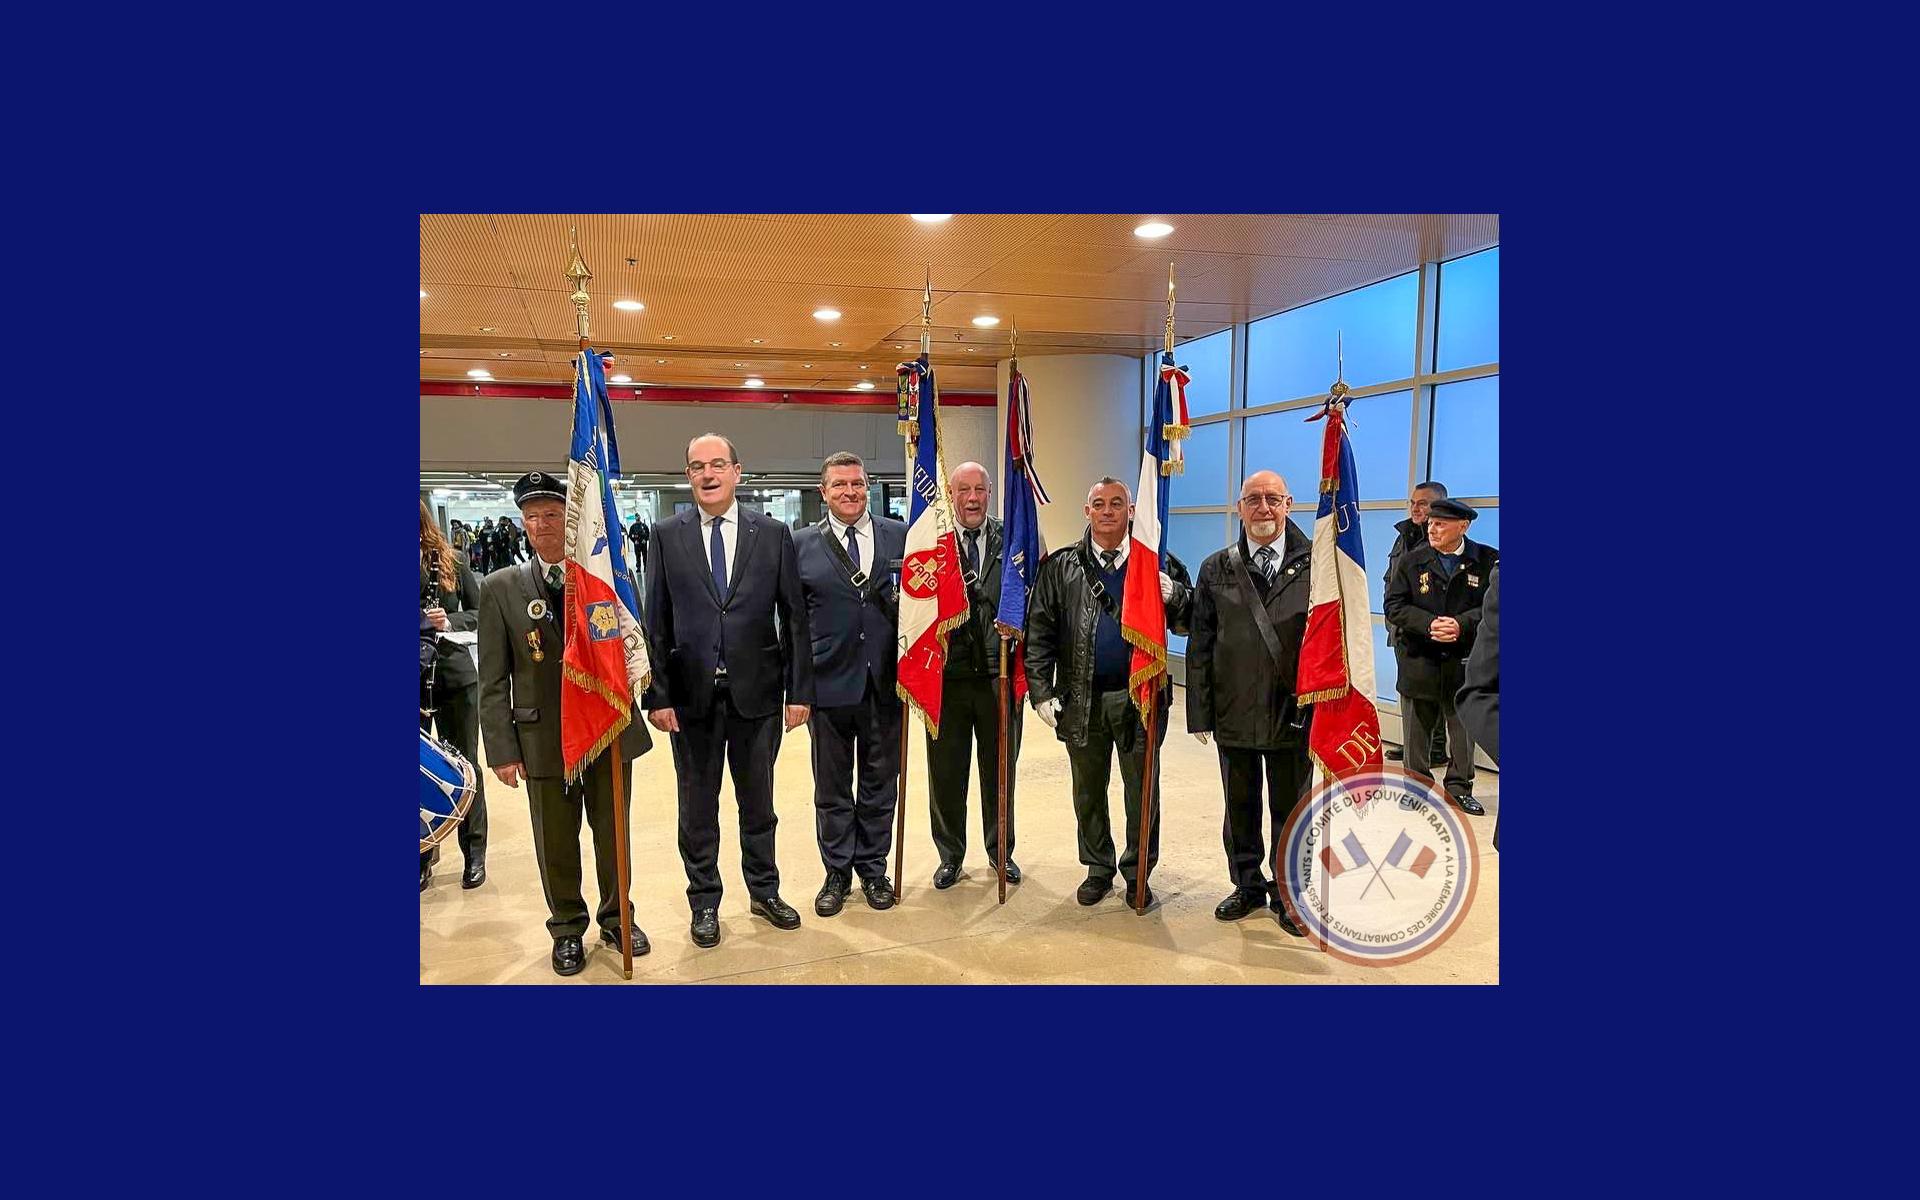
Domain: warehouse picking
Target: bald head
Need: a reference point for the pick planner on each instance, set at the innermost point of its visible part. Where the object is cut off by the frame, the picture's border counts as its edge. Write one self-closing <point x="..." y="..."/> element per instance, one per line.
<point x="969" y="488"/>
<point x="1264" y="505"/>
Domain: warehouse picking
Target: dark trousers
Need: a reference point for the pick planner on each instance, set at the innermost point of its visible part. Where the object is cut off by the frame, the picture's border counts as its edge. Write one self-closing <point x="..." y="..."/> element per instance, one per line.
<point x="1113" y="727"/>
<point x="969" y="724"/>
<point x="747" y="745"/>
<point x="457" y="712"/>
<point x="856" y="829"/>
<point x="1421" y="719"/>
<point x="557" y="807"/>
<point x="1288" y="772"/>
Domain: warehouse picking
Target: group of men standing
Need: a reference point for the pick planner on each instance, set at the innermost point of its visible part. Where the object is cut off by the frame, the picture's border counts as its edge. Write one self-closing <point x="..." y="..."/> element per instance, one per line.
<point x="756" y="629"/>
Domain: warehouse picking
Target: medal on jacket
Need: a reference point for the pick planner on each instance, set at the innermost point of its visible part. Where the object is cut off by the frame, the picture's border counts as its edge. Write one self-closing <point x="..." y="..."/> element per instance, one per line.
<point x="1424" y="576"/>
<point x="533" y="643"/>
<point x="1473" y="581"/>
<point x="537" y="609"/>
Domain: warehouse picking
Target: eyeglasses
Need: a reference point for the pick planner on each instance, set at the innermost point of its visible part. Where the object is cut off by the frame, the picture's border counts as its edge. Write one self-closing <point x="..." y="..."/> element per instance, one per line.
<point x="712" y="464"/>
<point x="1268" y="499"/>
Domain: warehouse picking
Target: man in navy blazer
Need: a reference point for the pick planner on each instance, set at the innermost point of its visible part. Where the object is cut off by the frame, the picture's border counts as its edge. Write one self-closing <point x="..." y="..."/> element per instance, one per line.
<point x="717" y="576"/>
<point x="853" y="612"/>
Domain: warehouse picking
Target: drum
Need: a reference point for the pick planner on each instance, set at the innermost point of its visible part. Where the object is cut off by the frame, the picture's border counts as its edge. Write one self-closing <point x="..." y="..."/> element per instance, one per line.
<point x="446" y="791"/>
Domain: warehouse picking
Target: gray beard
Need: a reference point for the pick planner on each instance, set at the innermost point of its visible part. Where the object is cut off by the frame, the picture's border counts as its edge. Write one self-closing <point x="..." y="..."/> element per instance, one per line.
<point x="1263" y="529"/>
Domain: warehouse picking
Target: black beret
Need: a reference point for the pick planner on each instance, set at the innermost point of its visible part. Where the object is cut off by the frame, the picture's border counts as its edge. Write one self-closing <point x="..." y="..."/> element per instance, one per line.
<point x="536" y="485"/>
<point x="1456" y="510"/>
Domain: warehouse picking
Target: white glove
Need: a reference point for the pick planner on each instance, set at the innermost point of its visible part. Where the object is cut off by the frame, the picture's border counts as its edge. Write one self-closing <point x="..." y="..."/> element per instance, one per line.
<point x="1203" y="737"/>
<point x="1166" y="588"/>
<point x="1049" y="711"/>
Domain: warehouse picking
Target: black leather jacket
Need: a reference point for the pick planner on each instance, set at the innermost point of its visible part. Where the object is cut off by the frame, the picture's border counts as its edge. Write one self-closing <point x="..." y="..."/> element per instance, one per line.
<point x="1062" y="615"/>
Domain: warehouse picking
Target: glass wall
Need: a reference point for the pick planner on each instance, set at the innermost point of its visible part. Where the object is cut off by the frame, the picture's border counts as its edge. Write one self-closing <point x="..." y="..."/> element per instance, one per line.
<point x="1421" y="355"/>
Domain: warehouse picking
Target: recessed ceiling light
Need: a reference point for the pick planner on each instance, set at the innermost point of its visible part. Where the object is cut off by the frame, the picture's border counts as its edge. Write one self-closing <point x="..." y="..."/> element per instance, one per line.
<point x="808" y="366"/>
<point x="485" y="328"/>
<point x="826" y="314"/>
<point x="756" y="341"/>
<point x="661" y="361"/>
<point x="478" y="373"/>
<point x="754" y="383"/>
<point x="628" y="305"/>
<point x="623" y="379"/>
<point x="423" y="354"/>
<point x="666" y="337"/>
<point x="899" y="347"/>
<point x="739" y="364"/>
<point x="865" y="385"/>
<point x="930" y="218"/>
<point x="423" y="293"/>
<point x="986" y="322"/>
<point x="506" y="354"/>
<point x="836" y="345"/>
<point x="1153" y="229"/>
<point x="863" y="366"/>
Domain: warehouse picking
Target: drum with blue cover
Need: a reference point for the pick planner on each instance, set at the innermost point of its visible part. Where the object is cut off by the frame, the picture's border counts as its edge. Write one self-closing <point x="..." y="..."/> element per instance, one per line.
<point x="446" y="791"/>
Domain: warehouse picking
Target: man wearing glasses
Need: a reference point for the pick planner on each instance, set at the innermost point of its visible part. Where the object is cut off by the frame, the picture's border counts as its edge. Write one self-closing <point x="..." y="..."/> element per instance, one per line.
<point x="853" y="613"/>
<point x="1249" y="615"/>
<point x="717" y="575"/>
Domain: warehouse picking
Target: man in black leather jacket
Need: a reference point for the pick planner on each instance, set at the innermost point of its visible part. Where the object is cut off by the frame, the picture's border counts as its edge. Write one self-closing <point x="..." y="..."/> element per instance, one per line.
<point x="1077" y="667"/>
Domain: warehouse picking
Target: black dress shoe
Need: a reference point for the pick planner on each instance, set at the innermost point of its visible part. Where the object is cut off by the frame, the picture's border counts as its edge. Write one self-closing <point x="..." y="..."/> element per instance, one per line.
<point x="778" y="911"/>
<point x="568" y="956"/>
<point x="611" y="938"/>
<point x="706" y="927"/>
<point x="1395" y="754"/>
<point x="426" y="874"/>
<point x="1127" y="895"/>
<point x="1242" y="902"/>
<point x="833" y="894"/>
<point x="946" y="876"/>
<point x="1092" y="890"/>
<point x="879" y="891"/>
<point x="1468" y="805"/>
<point x="475" y="874"/>
<point x="1013" y="871"/>
<point x="1286" y="922"/>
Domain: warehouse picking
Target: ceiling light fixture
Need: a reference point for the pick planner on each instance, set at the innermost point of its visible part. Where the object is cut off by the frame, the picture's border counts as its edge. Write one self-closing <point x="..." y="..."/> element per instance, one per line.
<point x="739" y="364"/>
<point x="756" y="341"/>
<point x="622" y="379"/>
<point x="754" y="383"/>
<point x="506" y="354"/>
<point x="478" y="373"/>
<point x="819" y="314"/>
<point x="865" y="385"/>
<point x="986" y="322"/>
<point x="1153" y="229"/>
<point x="666" y="337"/>
<point x="836" y="345"/>
<point x="930" y="218"/>
<point x="423" y="293"/>
<point x="629" y="305"/>
<point x="660" y="361"/>
<point x="485" y="328"/>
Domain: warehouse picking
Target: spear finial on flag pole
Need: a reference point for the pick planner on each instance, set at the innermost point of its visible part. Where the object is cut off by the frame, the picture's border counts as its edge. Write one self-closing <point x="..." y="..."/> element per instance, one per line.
<point x="1176" y="429"/>
<point x="926" y="315"/>
<point x="574" y="673"/>
<point x="1014" y="354"/>
<point x="1169" y="308"/>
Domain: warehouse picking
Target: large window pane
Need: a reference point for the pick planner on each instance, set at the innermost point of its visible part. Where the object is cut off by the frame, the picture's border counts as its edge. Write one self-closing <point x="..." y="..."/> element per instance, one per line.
<point x="1293" y="354"/>
<point x="1191" y="537"/>
<point x="1209" y="362"/>
<point x="1466" y="437"/>
<point x="1377" y="533"/>
<point x="1386" y="671"/>
<point x="1380" y="429"/>
<point x="1205" y="479"/>
<point x="1485" y="528"/>
<point x="1469" y="312"/>
<point x="1284" y="442"/>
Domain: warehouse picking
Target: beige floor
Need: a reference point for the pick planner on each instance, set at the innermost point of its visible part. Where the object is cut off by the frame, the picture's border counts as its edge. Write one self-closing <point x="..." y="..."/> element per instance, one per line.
<point x="495" y="933"/>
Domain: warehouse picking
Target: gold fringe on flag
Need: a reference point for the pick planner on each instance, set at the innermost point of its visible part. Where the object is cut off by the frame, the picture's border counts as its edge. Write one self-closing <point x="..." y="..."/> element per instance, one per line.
<point x="1323" y="695"/>
<point x="1176" y="432"/>
<point x="1156" y="666"/>
<point x="1173" y="466"/>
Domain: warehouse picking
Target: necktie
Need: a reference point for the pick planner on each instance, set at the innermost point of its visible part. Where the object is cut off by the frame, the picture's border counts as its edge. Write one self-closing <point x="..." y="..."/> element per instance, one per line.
<point x="1264" y="560"/>
<point x="853" y="548"/>
<point x="556" y="579"/>
<point x="1106" y="559"/>
<point x="973" y="551"/>
<point x="718" y="550"/>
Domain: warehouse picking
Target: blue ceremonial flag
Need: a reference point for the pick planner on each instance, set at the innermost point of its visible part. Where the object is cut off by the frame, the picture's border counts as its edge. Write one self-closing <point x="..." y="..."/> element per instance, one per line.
<point x="1020" y="547"/>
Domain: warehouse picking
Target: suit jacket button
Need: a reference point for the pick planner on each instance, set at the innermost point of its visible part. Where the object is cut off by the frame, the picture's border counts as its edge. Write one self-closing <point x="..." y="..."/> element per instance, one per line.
<point x="863" y="637"/>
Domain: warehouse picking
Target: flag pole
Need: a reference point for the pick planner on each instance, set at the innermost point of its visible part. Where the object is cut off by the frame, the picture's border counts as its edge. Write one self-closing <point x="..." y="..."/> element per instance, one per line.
<point x="906" y="715"/>
<point x="1140" y="866"/>
<point x="577" y="273"/>
<point x="1003" y="717"/>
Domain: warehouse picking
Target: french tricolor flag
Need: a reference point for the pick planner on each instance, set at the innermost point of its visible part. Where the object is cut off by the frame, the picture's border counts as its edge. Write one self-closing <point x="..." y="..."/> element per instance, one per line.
<point x="1143" y="615"/>
<point x="1336" y="654"/>
<point x="1420" y="862"/>
<point x="605" y="665"/>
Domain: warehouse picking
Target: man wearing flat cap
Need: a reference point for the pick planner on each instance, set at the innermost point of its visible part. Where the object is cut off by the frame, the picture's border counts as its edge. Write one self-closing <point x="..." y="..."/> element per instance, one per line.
<point x="522" y="635"/>
<point x="1434" y="599"/>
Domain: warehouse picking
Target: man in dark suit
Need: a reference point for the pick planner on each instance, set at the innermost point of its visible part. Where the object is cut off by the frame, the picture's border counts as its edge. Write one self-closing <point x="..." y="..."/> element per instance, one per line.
<point x="1434" y="600"/>
<point x="1249" y="615"/>
<point x="717" y="575"/>
<point x="1411" y="534"/>
<point x="522" y="636"/>
<point x="1479" y="698"/>
<point x="853" y="615"/>
<point x="968" y="716"/>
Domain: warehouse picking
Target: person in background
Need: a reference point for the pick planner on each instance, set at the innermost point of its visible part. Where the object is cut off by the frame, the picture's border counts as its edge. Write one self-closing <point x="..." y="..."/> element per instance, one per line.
<point x="450" y="600"/>
<point x="1479" y="700"/>
<point x="1411" y="534"/>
